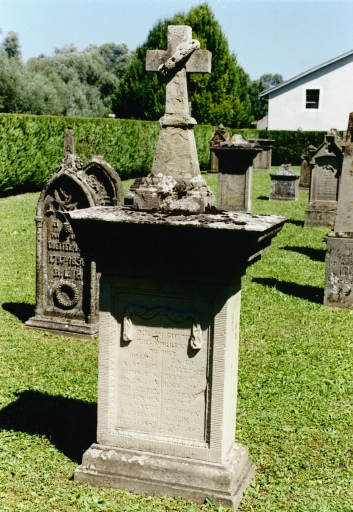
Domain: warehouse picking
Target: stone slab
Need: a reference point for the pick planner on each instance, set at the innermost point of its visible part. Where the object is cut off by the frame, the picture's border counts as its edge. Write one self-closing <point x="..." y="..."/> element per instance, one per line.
<point x="339" y="272"/>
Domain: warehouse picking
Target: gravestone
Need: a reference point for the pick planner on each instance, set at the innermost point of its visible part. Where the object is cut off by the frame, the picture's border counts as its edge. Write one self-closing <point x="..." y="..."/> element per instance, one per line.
<point x="236" y="157"/>
<point x="168" y="340"/>
<point x="219" y="136"/>
<point x="326" y="164"/>
<point x="263" y="160"/>
<point x="339" y="253"/>
<point x="67" y="284"/>
<point x="284" y="184"/>
<point x="305" y="168"/>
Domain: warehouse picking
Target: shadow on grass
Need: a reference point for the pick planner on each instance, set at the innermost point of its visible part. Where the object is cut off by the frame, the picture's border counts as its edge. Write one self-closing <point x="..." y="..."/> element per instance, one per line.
<point x="69" y="424"/>
<point x="295" y="222"/>
<point x="22" y="310"/>
<point x="313" y="254"/>
<point x="263" y="198"/>
<point x="307" y="292"/>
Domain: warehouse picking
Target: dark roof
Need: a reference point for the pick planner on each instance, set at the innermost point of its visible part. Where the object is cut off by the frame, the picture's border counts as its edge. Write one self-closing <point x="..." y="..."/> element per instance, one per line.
<point x="295" y="78"/>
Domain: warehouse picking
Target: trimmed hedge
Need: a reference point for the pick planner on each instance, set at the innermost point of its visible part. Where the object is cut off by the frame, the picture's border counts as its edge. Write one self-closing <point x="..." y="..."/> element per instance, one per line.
<point x="31" y="147"/>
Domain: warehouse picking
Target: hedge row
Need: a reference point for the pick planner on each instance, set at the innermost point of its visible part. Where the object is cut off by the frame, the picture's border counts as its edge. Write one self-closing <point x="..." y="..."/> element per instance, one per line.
<point x="31" y="147"/>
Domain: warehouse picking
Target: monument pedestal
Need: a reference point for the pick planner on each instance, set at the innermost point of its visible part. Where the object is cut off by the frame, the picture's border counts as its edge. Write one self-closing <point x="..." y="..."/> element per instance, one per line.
<point x="339" y="272"/>
<point x="235" y="174"/>
<point x="168" y="349"/>
<point x="152" y="474"/>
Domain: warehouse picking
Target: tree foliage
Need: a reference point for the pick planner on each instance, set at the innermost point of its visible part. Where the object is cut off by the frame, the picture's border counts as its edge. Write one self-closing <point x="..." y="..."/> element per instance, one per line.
<point x="70" y="83"/>
<point x="259" y="106"/>
<point x="219" y="97"/>
<point x="11" y="45"/>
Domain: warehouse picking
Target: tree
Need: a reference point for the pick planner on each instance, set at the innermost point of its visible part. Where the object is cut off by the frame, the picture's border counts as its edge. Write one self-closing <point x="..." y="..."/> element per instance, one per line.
<point x="221" y="97"/>
<point x="11" y="45"/>
<point x="85" y="80"/>
<point x="259" y="106"/>
<point x="271" y="80"/>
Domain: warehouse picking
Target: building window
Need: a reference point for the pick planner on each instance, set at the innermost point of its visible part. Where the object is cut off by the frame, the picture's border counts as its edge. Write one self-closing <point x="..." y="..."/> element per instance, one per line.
<point x="312" y="98"/>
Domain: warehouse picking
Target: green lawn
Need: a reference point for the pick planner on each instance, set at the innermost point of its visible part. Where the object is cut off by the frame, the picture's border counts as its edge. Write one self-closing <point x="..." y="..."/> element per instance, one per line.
<point x="295" y="382"/>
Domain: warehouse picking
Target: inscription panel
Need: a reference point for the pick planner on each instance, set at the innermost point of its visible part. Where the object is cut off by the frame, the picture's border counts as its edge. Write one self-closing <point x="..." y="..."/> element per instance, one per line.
<point x="326" y="183"/>
<point x="65" y="265"/>
<point x="161" y="376"/>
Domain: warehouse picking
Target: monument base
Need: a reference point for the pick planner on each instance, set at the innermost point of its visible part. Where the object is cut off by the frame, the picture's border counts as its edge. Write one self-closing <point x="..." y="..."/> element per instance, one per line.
<point x="317" y="218"/>
<point x="74" y="329"/>
<point x="339" y="272"/>
<point x="151" y="474"/>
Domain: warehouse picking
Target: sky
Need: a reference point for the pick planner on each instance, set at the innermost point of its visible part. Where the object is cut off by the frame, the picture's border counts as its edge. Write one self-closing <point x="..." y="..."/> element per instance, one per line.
<point x="267" y="36"/>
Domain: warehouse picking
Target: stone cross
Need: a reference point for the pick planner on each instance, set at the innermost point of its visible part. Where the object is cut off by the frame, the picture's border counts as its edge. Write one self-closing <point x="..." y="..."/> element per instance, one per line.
<point x="175" y="181"/>
<point x="182" y="56"/>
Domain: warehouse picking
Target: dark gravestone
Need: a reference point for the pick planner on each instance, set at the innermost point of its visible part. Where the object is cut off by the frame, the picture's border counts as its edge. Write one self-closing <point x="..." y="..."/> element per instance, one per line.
<point x="219" y="136"/>
<point x="305" y="170"/>
<point x="284" y="184"/>
<point x="235" y="173"/>
<point x="67" y="287"/>
<point x="326" y="164"/>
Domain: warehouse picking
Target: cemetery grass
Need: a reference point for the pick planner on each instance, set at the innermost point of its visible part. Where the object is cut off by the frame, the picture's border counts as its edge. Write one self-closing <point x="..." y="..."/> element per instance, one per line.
<point x="294" y="409"/>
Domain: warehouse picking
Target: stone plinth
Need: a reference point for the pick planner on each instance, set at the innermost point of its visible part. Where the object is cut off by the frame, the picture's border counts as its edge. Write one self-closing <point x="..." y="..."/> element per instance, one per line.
<point x="284" y="184"/>
<point x="339" y="254"/>
<point x="263" y="160"/>
<point x="67" y="284"/>
<point x="326" y="164"/>
<point x="168" y="349"/>
<point x="235" y="173"/>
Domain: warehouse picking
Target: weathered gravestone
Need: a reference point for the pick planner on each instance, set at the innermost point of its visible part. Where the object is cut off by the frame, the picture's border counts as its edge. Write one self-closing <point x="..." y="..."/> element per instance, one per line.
<point x="284" y="184"/>
<point x="339" y="255"/>
<point x="263" y="160"/>
<point x="235" y="157"/>
<point x="67" y="287"/>
<point x="219" y="136"/>
<point x="168" y="341"/>
<point x="326" y="164"/>
<point x="305" y="168"/>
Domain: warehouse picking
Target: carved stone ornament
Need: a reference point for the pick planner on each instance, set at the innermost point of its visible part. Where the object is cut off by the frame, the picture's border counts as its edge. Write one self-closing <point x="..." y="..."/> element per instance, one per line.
<point x="195" y="339"/>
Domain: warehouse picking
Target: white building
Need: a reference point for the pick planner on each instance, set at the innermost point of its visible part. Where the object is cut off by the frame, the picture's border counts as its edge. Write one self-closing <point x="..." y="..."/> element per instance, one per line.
<point x="318" y="99"/>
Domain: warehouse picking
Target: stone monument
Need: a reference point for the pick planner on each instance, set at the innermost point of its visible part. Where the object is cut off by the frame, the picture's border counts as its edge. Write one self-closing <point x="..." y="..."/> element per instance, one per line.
<point x="284" y="184"/>
<point x="175" y="182"/>
<point x="326" y="164"/>
<point x="305" y="168"/>
<point x="67" y="284"/>
<point x="219" y="136"/>
<point x="168" y="340"/>
<point x="339" y="255"/>
<point x="263" y="160"/>
<point x="236" y="157"/>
